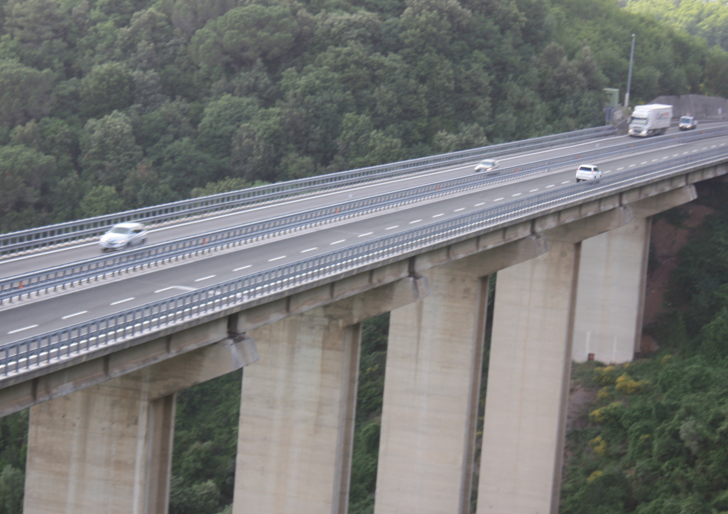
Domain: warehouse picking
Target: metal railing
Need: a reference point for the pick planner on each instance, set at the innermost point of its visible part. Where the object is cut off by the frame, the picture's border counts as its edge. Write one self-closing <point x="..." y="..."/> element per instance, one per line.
<point x="20" y="287"/>
<point x="34" y="352"/>
<point x="67" y="276"/>
<point x="74" y="231"/>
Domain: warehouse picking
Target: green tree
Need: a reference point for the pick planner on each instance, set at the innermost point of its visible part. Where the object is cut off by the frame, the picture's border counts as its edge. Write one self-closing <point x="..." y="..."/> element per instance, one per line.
<point x="25" y="93"/>
<point x="12" y="482"/>
<point x="109" y="150"/>
<point x="243" y="35"/>
<point x="101" y="200"/>
<point x="107" y="88"/>
<point x="23" y="174"/>
<point x="221" y="120"/>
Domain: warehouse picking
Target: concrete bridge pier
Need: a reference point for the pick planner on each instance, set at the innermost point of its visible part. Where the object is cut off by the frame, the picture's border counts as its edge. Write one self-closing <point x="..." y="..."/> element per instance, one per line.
<point x="107" y="448"/>
<point x="432" y="384"/>
<point x="610" y="295"/>
<point x="528" y="379"/>
<point x="298" y="402"/>
<point x="612" y="277"/>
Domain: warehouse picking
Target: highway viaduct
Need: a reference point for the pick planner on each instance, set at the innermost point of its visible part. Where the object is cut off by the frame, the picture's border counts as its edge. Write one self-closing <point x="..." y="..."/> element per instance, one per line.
<point x="570" y="283"/>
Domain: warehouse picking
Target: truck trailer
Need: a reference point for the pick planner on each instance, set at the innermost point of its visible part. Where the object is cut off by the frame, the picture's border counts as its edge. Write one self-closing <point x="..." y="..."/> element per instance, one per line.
<point x="650" y="120"/>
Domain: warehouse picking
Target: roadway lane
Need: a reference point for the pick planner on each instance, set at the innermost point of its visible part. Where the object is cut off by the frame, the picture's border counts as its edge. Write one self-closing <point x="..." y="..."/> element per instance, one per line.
<point x="55" y="257"/>
<point x="56" y="312"/>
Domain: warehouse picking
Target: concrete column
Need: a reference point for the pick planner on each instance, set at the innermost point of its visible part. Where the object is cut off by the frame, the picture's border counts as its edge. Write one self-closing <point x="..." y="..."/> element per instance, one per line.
<point x="528" y="379"/>
<point x="432" y="379"/>
<point x="298" y="406"/>
<point x="107" y="448"/>
<point x="296" y="417"/>
<point x="610" y="295"/>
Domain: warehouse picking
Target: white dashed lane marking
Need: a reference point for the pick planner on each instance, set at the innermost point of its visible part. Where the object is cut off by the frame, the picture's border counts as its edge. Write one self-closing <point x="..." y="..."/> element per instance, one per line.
<point x="438" y="215"/>
<point x="392" y="227"/>
<point x="277" y="258"/>
<point x="21" y="329"/>
<point x="337" y="242"/>
<point x="74" y="315"/>
<point x="365" y="234"/>
<point x="460" y="209"/>
<point x="309" y="249"/>
<point x="243" y="267"/>
<point x="122" y="301"/>
<point x="205" y="278"/>
<point x="415" y="221"/>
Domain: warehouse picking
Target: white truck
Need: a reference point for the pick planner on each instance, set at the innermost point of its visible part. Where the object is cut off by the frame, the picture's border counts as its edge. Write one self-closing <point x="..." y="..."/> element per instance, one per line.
<point x="650" y="120"/>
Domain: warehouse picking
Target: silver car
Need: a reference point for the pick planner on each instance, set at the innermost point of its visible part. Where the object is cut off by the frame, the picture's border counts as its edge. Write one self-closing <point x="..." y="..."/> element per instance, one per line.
<point x="124" y="235"/>
<point x="486" y="165"/>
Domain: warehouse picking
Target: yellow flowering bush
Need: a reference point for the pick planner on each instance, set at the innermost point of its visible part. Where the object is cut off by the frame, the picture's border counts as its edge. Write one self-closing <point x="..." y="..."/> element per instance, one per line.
<point x="599" y="445"/>
<point x="611" y="412"/>
<point x="594" y="476"/>
<point x="605" y="375"/>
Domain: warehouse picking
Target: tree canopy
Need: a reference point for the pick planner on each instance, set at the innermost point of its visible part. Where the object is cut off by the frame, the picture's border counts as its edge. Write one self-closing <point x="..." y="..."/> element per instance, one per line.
<point x="175" y="94"/>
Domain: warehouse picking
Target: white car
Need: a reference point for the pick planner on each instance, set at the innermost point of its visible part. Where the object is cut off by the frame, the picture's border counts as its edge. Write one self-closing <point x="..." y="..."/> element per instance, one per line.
<point x="588" y="172"/>
<point x="486" y="165"/>
<point x="124" y="235"/>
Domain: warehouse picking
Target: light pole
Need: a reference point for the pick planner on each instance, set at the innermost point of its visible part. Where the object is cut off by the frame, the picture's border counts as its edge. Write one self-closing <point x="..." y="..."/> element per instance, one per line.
<point x="629" y="76"/>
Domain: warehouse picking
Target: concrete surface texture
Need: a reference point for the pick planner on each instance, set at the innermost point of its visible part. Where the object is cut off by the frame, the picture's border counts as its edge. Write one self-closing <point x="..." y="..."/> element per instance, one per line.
<point x="431" y="395"/>
<point x="107" y="448"/>
<point x="528" y="378"/>
<point x="701" y="106"/>
<point x="612" y="271"/>
<point x="298" y="405"/>
<point x="296" y="416"/>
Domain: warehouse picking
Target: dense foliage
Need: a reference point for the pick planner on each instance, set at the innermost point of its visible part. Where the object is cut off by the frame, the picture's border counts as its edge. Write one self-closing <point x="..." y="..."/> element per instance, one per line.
<point x="117" y="105"/>
<point x="656" y="438"/>
<point x="708" y="20"/>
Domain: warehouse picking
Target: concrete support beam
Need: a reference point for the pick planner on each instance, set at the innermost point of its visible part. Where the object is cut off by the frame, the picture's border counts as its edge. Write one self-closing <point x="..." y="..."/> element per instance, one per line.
<point x="610" y="296"/>
<point x="528" y="379"/>
<point x="108" y="448"/>
<point x="298" y="405"/>
<point x="431" y="388"/>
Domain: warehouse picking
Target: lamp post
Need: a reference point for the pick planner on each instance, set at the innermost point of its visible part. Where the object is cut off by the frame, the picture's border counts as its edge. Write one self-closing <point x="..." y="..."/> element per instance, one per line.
<point x="629" y="76"/>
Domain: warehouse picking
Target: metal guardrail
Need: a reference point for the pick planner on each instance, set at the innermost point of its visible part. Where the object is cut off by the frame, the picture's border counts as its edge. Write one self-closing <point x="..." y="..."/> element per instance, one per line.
<point x="73" y="231"/>
<point x="34" y="352"/>
<point x="23" y="286"/>
<point x="20" y="287"/>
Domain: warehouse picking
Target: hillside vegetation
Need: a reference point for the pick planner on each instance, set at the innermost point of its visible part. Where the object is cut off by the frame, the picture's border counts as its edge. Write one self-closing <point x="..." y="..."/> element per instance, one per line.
<point x="107" y="106"/>
<point x="655" y="441"/>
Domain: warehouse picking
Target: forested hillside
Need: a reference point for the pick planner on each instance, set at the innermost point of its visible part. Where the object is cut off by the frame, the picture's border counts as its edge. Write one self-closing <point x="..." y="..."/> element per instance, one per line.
<point x="655" y="438"/>
<point x="708" y="20"/>
<point x="107" y="106"/>
<point x="113" y="105"/>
